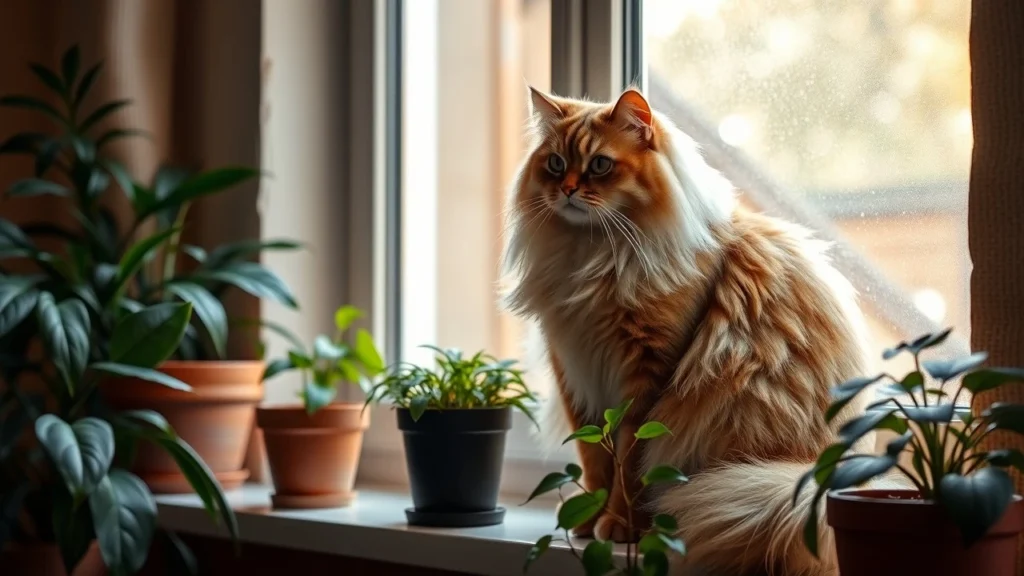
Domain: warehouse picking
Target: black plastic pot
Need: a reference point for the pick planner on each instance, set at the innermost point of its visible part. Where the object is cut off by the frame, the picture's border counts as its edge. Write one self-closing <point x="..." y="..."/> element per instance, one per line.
<point x="454" y="458"/>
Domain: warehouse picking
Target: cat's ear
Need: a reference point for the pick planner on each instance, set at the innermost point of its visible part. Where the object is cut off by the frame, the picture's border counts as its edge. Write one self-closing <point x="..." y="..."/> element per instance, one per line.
<point x="632" y="110"/>
<point x="544" y="107"/>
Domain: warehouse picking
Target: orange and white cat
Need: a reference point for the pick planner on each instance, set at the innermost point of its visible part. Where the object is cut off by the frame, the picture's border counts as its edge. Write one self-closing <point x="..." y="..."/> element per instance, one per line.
<point x="647" y="281"/>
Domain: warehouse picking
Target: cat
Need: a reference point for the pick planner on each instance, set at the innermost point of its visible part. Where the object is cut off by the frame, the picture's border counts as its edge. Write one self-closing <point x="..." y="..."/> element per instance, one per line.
<point x="646" y="280"/>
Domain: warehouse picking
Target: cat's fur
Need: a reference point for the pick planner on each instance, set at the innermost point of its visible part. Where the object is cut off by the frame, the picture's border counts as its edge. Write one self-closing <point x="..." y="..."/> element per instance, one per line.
<point x="728" y="326"/>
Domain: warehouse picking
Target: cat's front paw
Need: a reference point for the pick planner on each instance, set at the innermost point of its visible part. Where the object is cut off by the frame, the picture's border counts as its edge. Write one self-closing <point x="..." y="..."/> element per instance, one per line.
<point x="608" y="527"/>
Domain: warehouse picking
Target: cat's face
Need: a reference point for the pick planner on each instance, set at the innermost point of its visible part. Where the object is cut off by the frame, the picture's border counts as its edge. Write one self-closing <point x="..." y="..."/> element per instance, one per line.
<point x="593" y="162"/>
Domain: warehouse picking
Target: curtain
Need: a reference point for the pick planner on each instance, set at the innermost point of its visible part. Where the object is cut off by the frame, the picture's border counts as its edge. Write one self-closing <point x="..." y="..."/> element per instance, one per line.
<point x="996" y="205"/>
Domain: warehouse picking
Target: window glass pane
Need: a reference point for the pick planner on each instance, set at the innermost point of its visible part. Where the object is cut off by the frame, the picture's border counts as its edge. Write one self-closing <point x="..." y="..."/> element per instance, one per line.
<point x="464" y="113"/>
<point x="858" y="111"/>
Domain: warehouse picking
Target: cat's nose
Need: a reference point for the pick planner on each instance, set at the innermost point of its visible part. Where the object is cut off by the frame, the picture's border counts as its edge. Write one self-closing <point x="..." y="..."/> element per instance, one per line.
<point x="569" y="189"/>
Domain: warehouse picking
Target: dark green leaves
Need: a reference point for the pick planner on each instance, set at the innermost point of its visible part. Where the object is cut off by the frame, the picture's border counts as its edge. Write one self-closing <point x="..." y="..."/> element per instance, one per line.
<point x="252" y="278"/>
<point x="847" y="391"/>
<point x="556" y="480"/>
<point x="949" y="369"/>
<point x="72" y="526"/>
<point x="237" y="250"/>
<point x="975" y="503"/>
<point x="1005" y="458"/>
<point x="580" y="508"/>
<point x="918" y="345"/>
<point x="613" y="416"/>
<point x="941" y="413"/>
<point x="65" y="332"/>
<point x="989" y="378"/>
<point x="69" y="68"/>
<point x="147" y="374"/>
<point x="856" y="471"/>
<point x="317" y="395"/>
<point x="30" y="103"/>
<point x="139" y="254"/>
<point x="36" y="187"/>
<point x="874" y="420"/>
<point x="1004" y="416"/>
<point x="147" y="337"/>
<point x="536" y="551"/>
<point x="597" y="558"/>
<point x="124" y="517"/>
<point x="590" y="434"/>
<point x="100" y="113"/>
<point x="664" y="474"/>
<point x="652" y="430"/>
<point x="18" y="298"/>
<point x="208" y="309"/>
<point x="81" y="452"/>
<point x="200" y="185"/>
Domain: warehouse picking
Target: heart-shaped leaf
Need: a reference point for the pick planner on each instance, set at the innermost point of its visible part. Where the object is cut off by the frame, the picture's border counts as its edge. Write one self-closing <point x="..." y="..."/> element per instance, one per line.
<point x="859" y="470"/>
<point x="552" y="481"/>
<point x="975" y="503"/>
<point x="148" y="337"/>
<point x="989" y="378"/>
<point x="590" y="434"/>
<point x="580" y="508"/>
<point x="536" y="551"/>
<point x="574" y="470"/>
<point x="652" y="430"/>
<point x="72" y="527"/>
<point x="324" y="348"/>
<point x="81" y="452"/>
<point x="613" y="416"/>
<point x="665" y="523"/>
<point x="664" y="474"/>
<point x="208" y="309"/>
<point x="597" y="558"/>
<point x="65" y="330"/>
<point x="345" y="316"/>
<point x="317" y="395"/>
<point x="366" y="351"/>
<point x="124" y="518"/>
<point x="18" y="298"/>
<point x="949" y="369"/>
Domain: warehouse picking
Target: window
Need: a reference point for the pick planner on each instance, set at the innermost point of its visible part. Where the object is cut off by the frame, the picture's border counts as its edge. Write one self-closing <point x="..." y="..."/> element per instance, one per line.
<point x="850" y="118"/>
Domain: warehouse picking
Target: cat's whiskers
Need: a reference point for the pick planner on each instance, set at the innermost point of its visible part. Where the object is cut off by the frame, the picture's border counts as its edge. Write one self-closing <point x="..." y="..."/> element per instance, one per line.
<point x="611" y="240"/>
<point x="634" y="243"/>
<point x="637" y="234"/>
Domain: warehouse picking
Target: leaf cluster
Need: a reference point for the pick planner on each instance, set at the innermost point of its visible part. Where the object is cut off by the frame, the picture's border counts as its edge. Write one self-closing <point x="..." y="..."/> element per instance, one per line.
<point x="332" y="360"/>
<point x="100" y="306"/>
<point x="454" y="383"/>
<point x="947" y="465"/>
<point x="649" y="556"/>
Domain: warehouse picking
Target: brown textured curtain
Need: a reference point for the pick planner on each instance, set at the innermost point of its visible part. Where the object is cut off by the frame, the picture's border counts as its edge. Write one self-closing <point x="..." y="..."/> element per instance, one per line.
<point x="192" y="69"/>
<point x="996" y="208"/>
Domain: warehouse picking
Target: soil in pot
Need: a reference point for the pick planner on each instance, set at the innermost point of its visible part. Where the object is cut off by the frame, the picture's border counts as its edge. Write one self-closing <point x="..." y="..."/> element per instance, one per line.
<point x="39" y="559"/>
<point x="216" y="418"/>
<point x="894" y="532"/>
<point x="454" y="458"/>
<point x="313" y="458"/>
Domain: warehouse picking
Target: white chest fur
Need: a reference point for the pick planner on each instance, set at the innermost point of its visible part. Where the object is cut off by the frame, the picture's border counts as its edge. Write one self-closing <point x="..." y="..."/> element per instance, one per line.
<point x="591" y="365"/>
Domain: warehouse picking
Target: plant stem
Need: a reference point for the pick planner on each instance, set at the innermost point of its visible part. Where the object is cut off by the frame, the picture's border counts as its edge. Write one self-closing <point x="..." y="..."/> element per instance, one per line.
<point x="171" y="255"/>
<point x="918" y="485"/>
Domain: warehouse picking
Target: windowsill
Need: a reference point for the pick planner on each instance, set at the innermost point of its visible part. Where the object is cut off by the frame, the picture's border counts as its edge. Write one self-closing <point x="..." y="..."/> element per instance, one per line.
<point x="374" y="527"/>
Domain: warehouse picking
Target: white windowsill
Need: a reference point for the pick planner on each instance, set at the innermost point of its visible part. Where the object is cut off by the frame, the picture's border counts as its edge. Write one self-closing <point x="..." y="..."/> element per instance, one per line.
<point x="374" y="527"/>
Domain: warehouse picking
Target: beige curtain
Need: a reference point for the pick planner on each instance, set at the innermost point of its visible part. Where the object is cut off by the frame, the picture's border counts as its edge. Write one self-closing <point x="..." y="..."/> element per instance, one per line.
<point x="996" y="209"/>
<point x="193" y="71"/>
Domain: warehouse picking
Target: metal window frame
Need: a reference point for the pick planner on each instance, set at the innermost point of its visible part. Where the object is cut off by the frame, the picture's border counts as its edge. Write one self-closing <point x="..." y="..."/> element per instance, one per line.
<point x="596" y="47"/>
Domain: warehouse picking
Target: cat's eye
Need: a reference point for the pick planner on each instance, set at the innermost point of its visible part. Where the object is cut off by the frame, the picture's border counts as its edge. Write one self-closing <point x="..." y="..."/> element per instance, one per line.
<point x="600" y="165"/>
<point x="556" y="165"/>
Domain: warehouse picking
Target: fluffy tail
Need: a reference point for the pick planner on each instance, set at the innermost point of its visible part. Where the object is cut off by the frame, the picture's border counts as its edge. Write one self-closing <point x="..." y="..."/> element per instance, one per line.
<point x="739" y="519"/>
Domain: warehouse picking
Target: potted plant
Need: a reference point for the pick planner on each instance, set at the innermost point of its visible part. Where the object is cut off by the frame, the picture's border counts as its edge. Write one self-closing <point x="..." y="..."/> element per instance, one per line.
<point x="67" y="327"/>
<point x="454" y="418"/>
<point x="313" y="448"/>
<point x="961" y="516"/>
<point x="650" y="554"/>
<point x="217" y="414"/>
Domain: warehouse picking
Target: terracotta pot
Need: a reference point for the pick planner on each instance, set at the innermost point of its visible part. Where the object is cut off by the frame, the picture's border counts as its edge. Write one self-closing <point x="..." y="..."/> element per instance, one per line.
<point x="44" y="560"/>
<point x="216" y="418"/>
<point x="313" y="458"/>
<point x="895" y="532"/>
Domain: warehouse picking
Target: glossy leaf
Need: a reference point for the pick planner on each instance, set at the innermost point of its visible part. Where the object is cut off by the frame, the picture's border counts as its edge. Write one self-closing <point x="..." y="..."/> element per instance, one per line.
<point x="148" y="337"/>
<point x="18" y="298"/>
<point x="203" y="184"/>
<point x="366" y="351"/>
<point x="208" y="309"/>
<point x="1005" y="458"/>
<point x="811" y="523"/>
<point x="875" y="420"/>
<point x="613" y="416"/>
<point x="655" y="563"/>
<point x="36" y="187"/>
<point x="574" y="470"/>
<point x="299" y="359"/>
<point x="276" y="367"/>
<point x="148" y="374"/>
<point x="912" y="381"/>
<point x="124" y="517"/>
<point x="252" y="278"/>
<point x="896" y="445"/>
<point x="72" y="527"/>
<point x="81" y="452"/>
<point x="65" y="329"/>
<point x="590" y="434"/>
<point x="552" y="481"/>
<point x="317" y="395"/>
<point x="665" y="523"/>
<point x="1005" y="416"/>
<point x="856" y="471"/>
<point x="846" y="392"/>
<point x="580" y="508"/>
<point x="949" y="369"/>
<point x="139" y="254"/>
<point x="536" y="551"/>
<point x="417" y="406"/>
<point x="652" y="430"/>
<point x="664" y="474"/>
<point x="989" y="378"/>
<point x="597" y="558"/>
<point x="324" y="348"/>
<point x="345" y="316"/>
<point x="238" y="250"/>
<point x="941" y="413"/>
<point x="975" y="503"/>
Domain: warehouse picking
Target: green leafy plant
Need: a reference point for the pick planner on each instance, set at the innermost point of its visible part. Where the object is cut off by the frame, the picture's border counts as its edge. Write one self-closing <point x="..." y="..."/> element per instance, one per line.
<point x="650" y="555"/>
<point x="333" y="360"/>
<point x="97" y="305"/>
<point x="456" y="382"/>
<point x="947" y="466"/>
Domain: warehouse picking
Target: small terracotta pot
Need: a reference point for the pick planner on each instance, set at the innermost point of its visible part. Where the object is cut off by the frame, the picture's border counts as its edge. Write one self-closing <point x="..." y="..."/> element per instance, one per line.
<point x="39" y="559"/>
<point x="895" y="532"/>
<point x="313" y="458"/>
<point x="215" y="418"/>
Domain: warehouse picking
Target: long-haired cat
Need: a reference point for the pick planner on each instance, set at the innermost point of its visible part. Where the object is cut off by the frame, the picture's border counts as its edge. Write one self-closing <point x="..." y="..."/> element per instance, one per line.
<point x="647" y="281"/>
